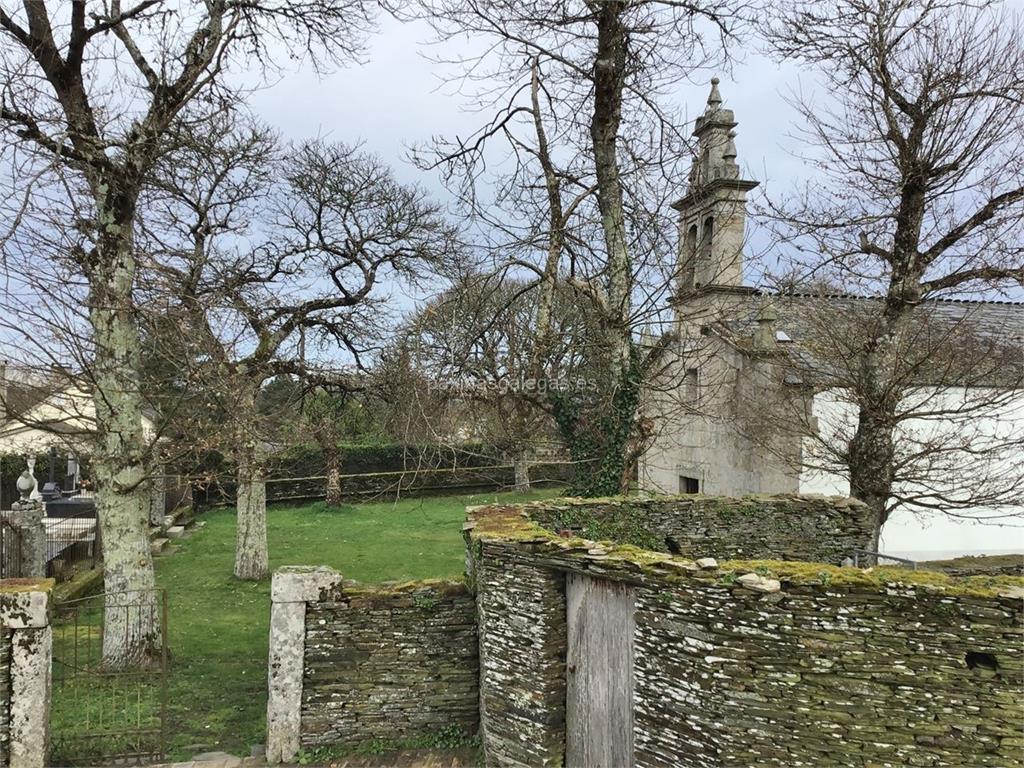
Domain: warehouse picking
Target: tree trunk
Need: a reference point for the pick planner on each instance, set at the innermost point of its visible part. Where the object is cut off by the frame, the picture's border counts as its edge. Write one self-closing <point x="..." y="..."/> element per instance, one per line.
<point x="620" y="385"/>
<point x="521" y="469"/>
<point x="609" y="80"/>
<point x="871" y="454"/>
<point x="251" y="533"/>
<point x="333" y="461"/>
<point x="131" y="625"/>
<point x="556" y="237"/>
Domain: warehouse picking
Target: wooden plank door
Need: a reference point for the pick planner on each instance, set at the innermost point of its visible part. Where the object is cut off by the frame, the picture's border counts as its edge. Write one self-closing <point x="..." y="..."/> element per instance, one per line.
<point x="599" y="668"/>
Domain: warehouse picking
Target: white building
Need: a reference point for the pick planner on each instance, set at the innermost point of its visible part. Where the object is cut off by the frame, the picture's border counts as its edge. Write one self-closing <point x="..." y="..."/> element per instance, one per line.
<point x="38" y="412"/>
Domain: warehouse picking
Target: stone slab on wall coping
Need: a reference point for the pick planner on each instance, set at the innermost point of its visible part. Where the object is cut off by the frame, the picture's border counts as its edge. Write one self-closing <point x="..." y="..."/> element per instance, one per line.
<point x="513" y="523"/>
<point x="303" y="584"/>
<point x="389" y="590"/>
<point x="24" y="603"/>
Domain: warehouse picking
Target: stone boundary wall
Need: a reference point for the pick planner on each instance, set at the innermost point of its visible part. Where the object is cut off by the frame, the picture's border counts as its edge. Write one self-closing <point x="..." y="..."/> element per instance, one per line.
<point x="823" y="529"/>
<point x="5" y="695"/>
<point x="352" y="663"/>
<point x="26" y="644"/>
<point x="522" y="656"/>
<point x="766" y="663"/>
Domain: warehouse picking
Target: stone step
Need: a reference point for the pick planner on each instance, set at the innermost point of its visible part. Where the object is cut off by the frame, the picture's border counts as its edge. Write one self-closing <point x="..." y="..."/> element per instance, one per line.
<point x="175" y="531"/>
<point x="158" y="545"/>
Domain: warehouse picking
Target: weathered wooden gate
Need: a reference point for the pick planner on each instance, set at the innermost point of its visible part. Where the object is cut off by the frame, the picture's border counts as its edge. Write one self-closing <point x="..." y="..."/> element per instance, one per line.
<point x="599" y="667"/>
<point x="102" y="714"/>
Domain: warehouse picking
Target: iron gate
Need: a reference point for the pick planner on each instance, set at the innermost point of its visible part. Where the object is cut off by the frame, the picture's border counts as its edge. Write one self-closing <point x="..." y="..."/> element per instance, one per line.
<point x="110" y="708"/>
<point x="10" y="550"/>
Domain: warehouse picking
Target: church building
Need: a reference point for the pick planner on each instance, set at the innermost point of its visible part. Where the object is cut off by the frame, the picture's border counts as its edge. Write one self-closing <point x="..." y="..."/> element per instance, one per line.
<point x="754" y="401"/>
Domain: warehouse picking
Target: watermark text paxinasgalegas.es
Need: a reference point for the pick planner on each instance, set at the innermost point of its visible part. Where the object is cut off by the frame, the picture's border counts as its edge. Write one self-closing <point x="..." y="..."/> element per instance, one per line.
<point x="509" y="385"/>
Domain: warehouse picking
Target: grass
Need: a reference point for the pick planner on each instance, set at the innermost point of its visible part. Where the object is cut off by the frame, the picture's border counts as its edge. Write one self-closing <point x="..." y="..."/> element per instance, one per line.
<point x="218" y="626"/>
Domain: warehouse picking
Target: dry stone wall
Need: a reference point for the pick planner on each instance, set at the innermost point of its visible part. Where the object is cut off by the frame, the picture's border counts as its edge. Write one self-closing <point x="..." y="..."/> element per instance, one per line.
<point x="786" y="527"/>
<point x="766" y="663"/>
<point x="5" y="694"/>
<point x="817" y="675"/>
<point x="522" y="659"/>
<point x="390" y="663"/>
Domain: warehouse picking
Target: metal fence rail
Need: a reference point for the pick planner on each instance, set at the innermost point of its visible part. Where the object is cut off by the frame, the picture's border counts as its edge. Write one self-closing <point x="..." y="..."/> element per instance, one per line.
<point x="104" y="712"/>
<point x="71" y="540"/>
<point x="11" y="565"/>
<point x="871" y="558"/>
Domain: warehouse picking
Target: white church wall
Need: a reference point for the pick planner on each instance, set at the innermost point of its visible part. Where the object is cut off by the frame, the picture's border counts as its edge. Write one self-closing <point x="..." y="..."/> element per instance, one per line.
<point x="927" y="534"/>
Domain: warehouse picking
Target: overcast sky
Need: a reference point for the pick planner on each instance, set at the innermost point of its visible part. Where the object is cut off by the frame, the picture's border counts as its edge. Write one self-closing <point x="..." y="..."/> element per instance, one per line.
<point x="398" y="99"/>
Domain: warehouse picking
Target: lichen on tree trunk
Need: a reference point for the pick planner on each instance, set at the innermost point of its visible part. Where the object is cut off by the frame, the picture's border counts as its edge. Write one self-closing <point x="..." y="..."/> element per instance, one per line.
<point x="333" y="485"/>
<point x="870" y="458"/>
<point x="131" y="621"/>
<point x="251" y="533"/>
<point x="521" y="471"/>
<point x="131" y="626"/>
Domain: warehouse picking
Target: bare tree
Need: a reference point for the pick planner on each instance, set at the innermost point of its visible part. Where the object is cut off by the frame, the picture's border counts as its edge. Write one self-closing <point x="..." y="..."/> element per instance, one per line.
<point x="594" y="154"/>
<point x="278" y="263"/>
<point x="921" y="200"/>
<point x="476" y="343"/>
<point x="90" y="100"/>
<point x="331" y="415"/>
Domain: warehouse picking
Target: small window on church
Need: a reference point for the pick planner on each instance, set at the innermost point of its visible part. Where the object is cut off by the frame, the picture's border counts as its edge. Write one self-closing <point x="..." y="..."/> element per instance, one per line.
<point x="704" y="253"/>
<point x="689" y="257"/>
<point x="691" y="243"/>
<point x="707" y="231"/>
<point x="689" y="484"/>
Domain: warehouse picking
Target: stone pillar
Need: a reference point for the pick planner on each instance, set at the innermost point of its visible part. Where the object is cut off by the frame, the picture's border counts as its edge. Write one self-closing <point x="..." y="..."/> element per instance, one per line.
<point x="27" y="515"/>
<point x="25" y="614"/>
<point x="291" y="588"/>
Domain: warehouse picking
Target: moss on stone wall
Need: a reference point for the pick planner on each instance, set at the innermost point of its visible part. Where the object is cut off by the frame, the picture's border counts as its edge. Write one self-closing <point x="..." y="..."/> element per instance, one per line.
<point x="825" y="529"/>
<point x="743" y="662"/>
<point x="519" y="522"/>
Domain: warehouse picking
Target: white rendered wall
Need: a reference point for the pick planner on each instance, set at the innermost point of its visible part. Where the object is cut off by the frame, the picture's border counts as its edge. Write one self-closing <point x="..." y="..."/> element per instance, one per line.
<point x="926" y="534"/>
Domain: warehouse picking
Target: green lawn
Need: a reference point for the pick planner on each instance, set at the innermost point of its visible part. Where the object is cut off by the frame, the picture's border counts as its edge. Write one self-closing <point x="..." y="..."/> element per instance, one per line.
<point x="219" y="625"/>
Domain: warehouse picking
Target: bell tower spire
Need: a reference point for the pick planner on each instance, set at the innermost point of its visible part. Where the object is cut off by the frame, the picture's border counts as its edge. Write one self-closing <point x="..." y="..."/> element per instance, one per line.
<point x="712" y="215"/>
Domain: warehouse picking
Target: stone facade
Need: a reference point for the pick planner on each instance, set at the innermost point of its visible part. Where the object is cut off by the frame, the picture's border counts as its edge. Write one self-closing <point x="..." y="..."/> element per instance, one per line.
<point x="351" y="664"/>
<point x="766" y="663"/>
<point x="817" y="529"/>
<point x="390" y="663"/>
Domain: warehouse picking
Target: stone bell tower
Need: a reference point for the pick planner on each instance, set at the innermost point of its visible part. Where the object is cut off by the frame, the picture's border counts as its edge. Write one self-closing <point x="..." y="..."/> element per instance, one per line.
<point x="712" y="215"/>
